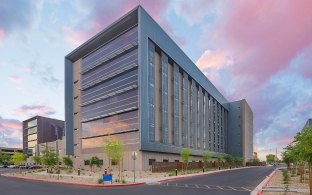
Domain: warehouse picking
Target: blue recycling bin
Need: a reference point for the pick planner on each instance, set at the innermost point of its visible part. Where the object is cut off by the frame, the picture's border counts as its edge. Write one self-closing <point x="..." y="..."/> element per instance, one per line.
<point x="107" y="178"/>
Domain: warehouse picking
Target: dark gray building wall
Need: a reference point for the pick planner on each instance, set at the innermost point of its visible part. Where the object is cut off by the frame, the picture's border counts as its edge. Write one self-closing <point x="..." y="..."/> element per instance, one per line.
<point x="235" y="139"/>
<point x="240" y="130"/>
<point x="69" y="107"/>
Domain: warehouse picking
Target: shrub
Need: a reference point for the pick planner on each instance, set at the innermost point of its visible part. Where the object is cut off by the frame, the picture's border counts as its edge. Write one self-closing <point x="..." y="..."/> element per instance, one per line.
<point x="100" y="181"/>
<point x="285" y="176"/>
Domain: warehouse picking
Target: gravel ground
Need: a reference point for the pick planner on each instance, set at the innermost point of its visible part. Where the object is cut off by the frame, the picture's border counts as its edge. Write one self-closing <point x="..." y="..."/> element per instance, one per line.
<point x="277" y="181"/>
<point x="87" y="177"/>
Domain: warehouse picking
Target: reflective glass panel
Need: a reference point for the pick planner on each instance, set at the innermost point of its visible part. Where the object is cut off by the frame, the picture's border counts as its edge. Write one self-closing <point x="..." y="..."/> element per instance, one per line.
<point x="113" y="124"/>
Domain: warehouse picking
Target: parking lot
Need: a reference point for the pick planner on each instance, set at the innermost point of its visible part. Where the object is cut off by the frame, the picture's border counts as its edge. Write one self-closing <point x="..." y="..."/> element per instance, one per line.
<point x="10" y="170"/>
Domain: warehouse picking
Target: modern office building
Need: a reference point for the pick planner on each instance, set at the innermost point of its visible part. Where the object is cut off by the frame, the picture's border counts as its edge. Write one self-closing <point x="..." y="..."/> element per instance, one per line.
<point x="133" y="82"/>
<point x="10" y="151"/>
<point x="40" y="130"/>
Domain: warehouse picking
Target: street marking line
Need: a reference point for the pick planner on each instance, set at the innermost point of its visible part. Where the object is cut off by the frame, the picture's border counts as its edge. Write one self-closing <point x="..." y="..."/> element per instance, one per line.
<point x="207" y="187"/>
<point x="245" y="189"/>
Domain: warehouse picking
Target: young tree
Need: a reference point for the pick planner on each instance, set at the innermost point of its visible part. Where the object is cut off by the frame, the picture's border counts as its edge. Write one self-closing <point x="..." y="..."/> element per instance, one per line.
<point x="68" y="161"/>
<point x="49" y="158"/>
<point x="94" y="161"/>
<point x="270" y="158"/>
<point x="206" y="157"/>
<point x="185" y="157"/>
<point x="4" y="158"/>
<point x="303" y="149"/>
<point x="114" y="150"/>
<point x="18" y="158"/>
<point x="37" y="159"/>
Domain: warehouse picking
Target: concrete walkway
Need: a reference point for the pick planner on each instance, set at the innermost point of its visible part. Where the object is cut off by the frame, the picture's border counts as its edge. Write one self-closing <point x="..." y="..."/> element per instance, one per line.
<point x="285" y="189"/>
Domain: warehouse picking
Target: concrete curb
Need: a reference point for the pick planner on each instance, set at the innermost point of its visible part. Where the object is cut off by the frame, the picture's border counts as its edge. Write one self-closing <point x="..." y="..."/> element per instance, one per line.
<point x="76" y="184"/>
<point x="259" y="189"/>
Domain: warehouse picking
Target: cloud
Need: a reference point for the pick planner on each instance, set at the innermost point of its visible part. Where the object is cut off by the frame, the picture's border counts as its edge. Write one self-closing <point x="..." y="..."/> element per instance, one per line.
<point x="99" y="14"/>
<point x="270" y="64"/>
<point x="16" y="16"/>
<point x="33" y="110"/>
<point x="305" y="59"/>
<point x="16" y="79"/>
<point x="214" y="59"/>
<point x="1" y="35"/>
<point x="259" y="38"/>
<point x="193" y="12"/>
<point x="11" y="134"/>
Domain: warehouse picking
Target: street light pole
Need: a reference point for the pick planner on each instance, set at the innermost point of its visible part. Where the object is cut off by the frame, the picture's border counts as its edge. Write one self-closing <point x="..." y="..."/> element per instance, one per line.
<point x="134" y="170"/>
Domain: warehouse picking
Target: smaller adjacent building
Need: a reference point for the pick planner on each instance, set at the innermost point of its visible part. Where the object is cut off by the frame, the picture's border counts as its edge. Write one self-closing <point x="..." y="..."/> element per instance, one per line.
<point x="240" y="133"/>
<point x="10" y="151"/>
<point x="39" y="132"/>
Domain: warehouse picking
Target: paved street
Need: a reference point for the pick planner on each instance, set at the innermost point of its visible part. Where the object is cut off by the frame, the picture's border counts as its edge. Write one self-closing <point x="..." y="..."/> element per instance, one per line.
<point x="240" y="181"/>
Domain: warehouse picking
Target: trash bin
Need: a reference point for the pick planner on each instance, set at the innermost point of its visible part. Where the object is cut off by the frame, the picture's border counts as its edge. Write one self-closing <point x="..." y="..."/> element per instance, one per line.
<point x="107" y="177"/>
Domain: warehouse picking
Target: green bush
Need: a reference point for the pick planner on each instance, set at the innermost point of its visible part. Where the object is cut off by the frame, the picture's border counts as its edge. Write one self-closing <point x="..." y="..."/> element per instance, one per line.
<point x="100" y="181"/>
<point x="285" y="176"/>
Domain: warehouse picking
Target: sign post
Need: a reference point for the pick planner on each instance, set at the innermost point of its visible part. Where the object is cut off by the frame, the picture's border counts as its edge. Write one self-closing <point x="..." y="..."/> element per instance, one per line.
<point x="134" y="157"/>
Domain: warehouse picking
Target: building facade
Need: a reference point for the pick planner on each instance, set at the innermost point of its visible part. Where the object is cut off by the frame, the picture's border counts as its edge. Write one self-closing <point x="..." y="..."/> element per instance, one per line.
<point x="10" y="151"/>
<point x="241" y="130"/>
<point x="131" y="81"/>
<point x="39" y="130"/>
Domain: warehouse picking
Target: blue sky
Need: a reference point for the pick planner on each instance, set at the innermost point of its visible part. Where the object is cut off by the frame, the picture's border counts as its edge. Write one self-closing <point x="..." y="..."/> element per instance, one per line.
<point x="247" y="49"/>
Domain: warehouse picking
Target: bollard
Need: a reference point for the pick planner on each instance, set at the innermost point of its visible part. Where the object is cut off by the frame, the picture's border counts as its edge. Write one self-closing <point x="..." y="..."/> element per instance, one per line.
<point x="176" y="172"/>
<point x="219" y="168"/>
<point x="78" y="171"/>
<point x="105" y="171"/>
<point x="203" y="169"/>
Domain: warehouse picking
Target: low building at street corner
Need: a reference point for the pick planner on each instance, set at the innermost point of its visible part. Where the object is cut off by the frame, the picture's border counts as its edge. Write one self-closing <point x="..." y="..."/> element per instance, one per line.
<point x="39" y="132"/>
<point x="10" y="151"/>
<point x="132" y="81"/>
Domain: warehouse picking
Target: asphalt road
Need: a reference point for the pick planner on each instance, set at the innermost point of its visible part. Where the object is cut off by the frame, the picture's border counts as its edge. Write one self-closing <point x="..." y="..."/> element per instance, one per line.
<point x="226" y="183"/>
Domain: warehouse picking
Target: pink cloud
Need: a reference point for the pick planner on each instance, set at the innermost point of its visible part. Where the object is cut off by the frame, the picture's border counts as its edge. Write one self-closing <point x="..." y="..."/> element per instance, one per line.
<point x="11" y="125"/>
<point x="101" y="14"/>
<point x="305" y="66"/>
<point x="264" y="37"/>
<point x="33" y="110"/>
<point x="303" y="106"/>
<point x="16" y="79"/>
<point x="10" y="132"/>
<point x="75" y="37"/>
<point x="1" y="34"/>
<point x="213" y="59"/>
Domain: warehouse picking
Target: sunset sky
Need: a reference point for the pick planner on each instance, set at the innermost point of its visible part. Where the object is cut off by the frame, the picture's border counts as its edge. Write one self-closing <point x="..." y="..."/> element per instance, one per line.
<point x="257" y="50"/>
